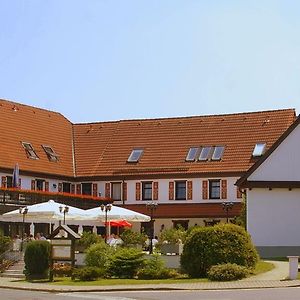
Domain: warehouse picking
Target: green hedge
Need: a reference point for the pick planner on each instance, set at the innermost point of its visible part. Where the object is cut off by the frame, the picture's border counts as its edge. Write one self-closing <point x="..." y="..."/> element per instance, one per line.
<point x="220" y="244"/>
<point x="88" y="273"/>
<point x="227" y="272"/>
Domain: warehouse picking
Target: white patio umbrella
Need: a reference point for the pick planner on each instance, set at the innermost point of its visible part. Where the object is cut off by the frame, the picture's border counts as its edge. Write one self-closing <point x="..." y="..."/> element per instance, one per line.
<point x="45" y="212"/>
<point x="116" y="213"/>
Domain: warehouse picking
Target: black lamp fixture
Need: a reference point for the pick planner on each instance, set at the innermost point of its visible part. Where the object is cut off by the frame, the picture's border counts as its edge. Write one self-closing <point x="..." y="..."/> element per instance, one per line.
<point x="106" y="208"/>
<point x="151" y="206"/>
<point x="226" y="207"/>
<point x="64" y="210"/>
<point x="23" y="211"/>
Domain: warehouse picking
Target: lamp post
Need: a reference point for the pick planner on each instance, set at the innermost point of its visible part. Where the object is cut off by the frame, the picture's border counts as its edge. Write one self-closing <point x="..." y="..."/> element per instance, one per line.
<point x="106" y="208"/>
<point x="151" y="206"/>
<point x="23" y="211"/>
<point x="227" y="206"/>
<point x="64" y="210"/>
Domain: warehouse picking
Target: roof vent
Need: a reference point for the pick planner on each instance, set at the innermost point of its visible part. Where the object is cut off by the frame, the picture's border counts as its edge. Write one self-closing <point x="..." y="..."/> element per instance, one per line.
<point x="266" y="121"/>
<point x="15" y="108"/>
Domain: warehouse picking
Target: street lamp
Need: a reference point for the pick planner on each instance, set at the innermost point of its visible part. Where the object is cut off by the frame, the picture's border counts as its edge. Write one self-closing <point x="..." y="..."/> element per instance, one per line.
<point x="106" y="208"/>
<point x="23" y="211"/>
<point x="151" y="206"/>
<point x="227" y="206"/>
<point x="64" y="210"/>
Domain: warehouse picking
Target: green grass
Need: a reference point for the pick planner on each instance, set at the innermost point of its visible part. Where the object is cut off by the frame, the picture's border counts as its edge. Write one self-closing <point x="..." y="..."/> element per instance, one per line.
<point x="262" y="267"/>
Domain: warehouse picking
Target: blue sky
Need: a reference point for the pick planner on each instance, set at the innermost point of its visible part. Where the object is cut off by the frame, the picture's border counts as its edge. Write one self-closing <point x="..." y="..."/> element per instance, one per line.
<point x="96" y="60"/>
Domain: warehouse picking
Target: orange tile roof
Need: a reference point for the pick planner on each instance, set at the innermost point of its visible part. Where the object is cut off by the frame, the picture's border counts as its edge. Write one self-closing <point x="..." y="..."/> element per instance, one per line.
<point x="102" y="149"/>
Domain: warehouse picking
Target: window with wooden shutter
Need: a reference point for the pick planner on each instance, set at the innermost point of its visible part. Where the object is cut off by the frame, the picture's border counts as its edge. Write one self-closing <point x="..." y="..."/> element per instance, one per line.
<point x="171" y="190"/>
<point x="20" y="182"/>
<point x="107" y="189"/>
<point x="78" y="188"/>
<point x="155" y="190"/>
<point x="60" y="187"/>
<point x="95" y="189"/>
<point x="124" y="185"/>
<point x="239" y="193"/>
<point x="224" y="189"/>
<point x="205" y="189"/>
<point x="47" y="186"/>
<point x="72" y="188"/>
<point x="33" y="185"/>
<point x="3" y="181"/>
<point x="137" y="191"/>
<point x="190" y="190"/>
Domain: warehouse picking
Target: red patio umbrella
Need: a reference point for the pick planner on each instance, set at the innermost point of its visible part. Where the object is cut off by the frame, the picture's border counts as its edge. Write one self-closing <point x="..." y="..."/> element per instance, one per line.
<point x="119" y="223"/>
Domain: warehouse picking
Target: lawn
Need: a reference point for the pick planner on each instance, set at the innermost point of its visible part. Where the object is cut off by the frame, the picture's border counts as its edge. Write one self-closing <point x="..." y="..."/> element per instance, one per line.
<point x="261" y="267"/>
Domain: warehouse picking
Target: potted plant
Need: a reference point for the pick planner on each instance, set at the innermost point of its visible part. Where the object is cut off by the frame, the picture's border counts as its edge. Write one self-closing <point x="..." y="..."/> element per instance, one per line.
<point x="87" y="239"/>
<point x="172" y="240"/>
<point x="133" y="239"/>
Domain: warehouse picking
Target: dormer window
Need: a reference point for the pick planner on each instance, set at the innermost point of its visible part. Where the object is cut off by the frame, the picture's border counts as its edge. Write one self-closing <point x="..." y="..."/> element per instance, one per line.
<point x="135" y="155"/>
<point x="192" y="154"/>
<point x="52" y="156"/>
<point x="259" y="149"/>
<point x="29" y="150"/>
<point x="218" y="153"/>
<point x="205" y="153"/>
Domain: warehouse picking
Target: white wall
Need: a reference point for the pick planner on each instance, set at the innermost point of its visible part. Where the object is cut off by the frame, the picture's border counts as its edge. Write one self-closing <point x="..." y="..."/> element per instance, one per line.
<point x="273" y="217"/>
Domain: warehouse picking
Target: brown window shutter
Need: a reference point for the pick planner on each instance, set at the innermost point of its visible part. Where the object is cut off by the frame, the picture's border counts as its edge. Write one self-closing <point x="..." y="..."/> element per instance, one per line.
<point x="33" y="185"/>
<point x="190" y="190"/>
<point x="47" y="186"/>
<point x="20" y="183"/>
<point x="3" y="181"/>
<point x="224" y="189"/>
<point x="171" y="190"/>
<point x="95" y="189"/>
<point x="60" y="187"/>
<point x="155" y="190"/>
<point x="205" y="189"/>
<point x="72" y="188"/>
<point x="124" y="185"/>
<point x="78" y="188"/>
<point x="239" y="193"/>
<point x="137" y="191"/>
<point x="107" y="189"/>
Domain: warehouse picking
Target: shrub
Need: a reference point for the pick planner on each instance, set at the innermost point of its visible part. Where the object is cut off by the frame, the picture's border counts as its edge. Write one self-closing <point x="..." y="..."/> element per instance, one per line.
<point x="154" y="268"/>
<point x="227" y="272"/>
<point x="37" y="258"/>
<point x="4" y="243"/>
<point x="173" y="235"/>
<point x="87" y="239"/>
<point x="62" y="269"/>
<point x="130" y="237"/>
<point x="126" y="262"/>
<point x="99" y="255"/>
<point x="88" y="273"/>
<point x="208" y="246"/>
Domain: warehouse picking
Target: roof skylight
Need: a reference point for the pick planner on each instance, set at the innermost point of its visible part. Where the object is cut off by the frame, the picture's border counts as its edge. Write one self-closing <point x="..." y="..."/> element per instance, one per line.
<point x="192" y="154"/>
<point x="29" y="150"/>
<point x="259" y="149"/>
<point x="205" y="153"/>
<point x="52" y="156"/>
<point x="218" y="153"/>
<point x="135" y="155"/>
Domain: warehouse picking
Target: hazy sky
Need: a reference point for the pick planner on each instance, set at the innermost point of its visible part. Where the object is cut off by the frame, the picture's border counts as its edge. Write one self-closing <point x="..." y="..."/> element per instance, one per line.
<point x="95" y="60"/>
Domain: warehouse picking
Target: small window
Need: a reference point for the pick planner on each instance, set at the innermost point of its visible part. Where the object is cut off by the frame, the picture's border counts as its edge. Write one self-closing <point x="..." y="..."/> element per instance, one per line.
<point x="29" y="150"/>
<point x="205" y="153"/>
<point x="259" y="149"/>
<point x="116" y="190"/>
<point x="147" y="190"/>
<point x="39" y="184"/>
<point x="135" y="155"/>
<point x="214" y="189"/>
<point x="52" y="156"/>
<point x="218" y="153"/>
<point x="192" y="154"/>
<point x="66" y="187"/>
<point x="86" y="188"/>
<point x="180" y="190"/>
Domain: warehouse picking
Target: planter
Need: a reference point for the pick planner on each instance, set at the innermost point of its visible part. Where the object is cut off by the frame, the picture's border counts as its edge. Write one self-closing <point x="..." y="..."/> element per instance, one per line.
<point x="171" y="249"/>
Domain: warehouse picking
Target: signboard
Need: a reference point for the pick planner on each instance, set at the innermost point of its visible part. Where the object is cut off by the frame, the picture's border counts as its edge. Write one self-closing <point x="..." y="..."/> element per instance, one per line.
<point x="61" y="249"/>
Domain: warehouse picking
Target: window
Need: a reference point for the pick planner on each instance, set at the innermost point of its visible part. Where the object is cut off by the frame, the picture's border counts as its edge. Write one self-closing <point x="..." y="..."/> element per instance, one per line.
<point x="192" y="154"/>
<point x="135" y="155"/>
<point x="147" y="190"/>
<point x="205" y="153"/>
<point x="181" y="224"/>
<point x="39" y="184"/>
<point x="214" y="189"/>
<point x="180" y="190"/>
<point x="86" y="188"/>
<point x="218" y="153"/>
<point x="66" y="187"/>
<point x="259" y="149"/>
<point x="29" y="150"/>
<point x="52" y="156"/>
<point x="116" y="190"/>
<point x="9" y="181"/>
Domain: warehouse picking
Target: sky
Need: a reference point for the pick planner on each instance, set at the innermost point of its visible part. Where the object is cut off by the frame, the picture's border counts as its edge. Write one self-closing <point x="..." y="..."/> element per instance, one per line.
<point x="98" y="60"/>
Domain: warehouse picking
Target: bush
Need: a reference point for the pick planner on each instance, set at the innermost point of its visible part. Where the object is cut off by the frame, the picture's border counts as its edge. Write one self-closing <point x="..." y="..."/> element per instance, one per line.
<point x="99" y="255"/>
<point x="4" y="243"/>
<point x="130" y="237"/>
<point x="173" y="235"/>
<point x="88" y="273"/>
<point x="155" y="269"/>
<point x="126" y="262"/>
<point x="37" y="259"/>
<point x="227" y="272"/>
<point x="209" y="246"/>
<point x="87" y="239"/>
